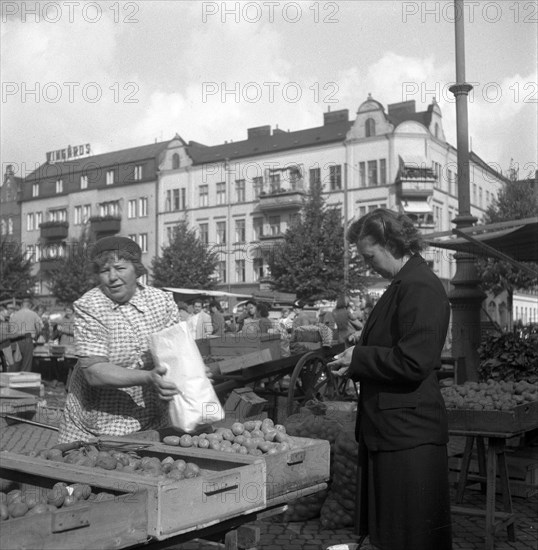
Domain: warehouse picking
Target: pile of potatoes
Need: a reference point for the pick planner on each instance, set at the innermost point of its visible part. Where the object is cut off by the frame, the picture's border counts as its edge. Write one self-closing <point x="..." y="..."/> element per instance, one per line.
<point x="127" y="462"/>
<point x="254" y="437"/>
<point x="36" y="500"/>
<point x="490" y="395"/>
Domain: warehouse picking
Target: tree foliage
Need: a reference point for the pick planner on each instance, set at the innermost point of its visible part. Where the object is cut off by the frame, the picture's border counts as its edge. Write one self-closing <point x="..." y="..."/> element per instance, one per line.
<point x="16" y="279"/>
<point x="516" y="201"/>
<point x="71" y="277"/>
<point x="310" y="261"/>
<point x="186" y="262"/>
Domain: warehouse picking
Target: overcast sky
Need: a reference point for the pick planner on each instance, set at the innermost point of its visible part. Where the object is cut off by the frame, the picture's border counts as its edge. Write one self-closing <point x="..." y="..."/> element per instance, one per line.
<point x="122" y="74"/>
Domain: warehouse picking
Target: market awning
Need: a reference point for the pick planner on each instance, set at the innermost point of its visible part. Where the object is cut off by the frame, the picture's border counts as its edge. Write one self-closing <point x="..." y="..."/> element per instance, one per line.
<point x="193" y="293"/>
<point x="416" y="207"/>
<point x="516" y="240"/>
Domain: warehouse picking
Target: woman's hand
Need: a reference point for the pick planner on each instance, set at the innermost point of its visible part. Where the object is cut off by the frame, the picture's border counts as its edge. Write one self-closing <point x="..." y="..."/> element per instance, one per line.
<point x="342" y="359"/>
<point x="165" y="389"/>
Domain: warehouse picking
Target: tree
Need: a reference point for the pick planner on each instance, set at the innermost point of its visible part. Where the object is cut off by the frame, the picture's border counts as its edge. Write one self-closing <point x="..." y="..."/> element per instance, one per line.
<point x="16" y="279"/>
<point x="71" y="277"/>
<point x="516" y="201"/>
<point x="310" y="261"/>
<point x="185" y="262"/>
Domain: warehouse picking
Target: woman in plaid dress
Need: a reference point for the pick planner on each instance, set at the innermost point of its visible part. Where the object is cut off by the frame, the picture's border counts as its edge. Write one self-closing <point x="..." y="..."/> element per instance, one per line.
<point x="115" y="389"/>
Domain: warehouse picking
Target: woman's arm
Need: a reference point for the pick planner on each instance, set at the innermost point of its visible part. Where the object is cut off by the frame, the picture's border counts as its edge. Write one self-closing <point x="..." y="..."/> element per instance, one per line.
<point x="105" y="374"/>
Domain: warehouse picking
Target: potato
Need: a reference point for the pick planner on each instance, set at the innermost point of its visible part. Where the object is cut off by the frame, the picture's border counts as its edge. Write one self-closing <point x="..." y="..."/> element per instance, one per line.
<point x="171" y="440"/>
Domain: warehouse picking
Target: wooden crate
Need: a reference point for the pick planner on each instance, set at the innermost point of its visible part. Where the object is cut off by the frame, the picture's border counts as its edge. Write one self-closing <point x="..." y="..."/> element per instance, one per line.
<point x="305" y="465"/>
<point x="117" y="523"/>
<point x="231" y="344"/>
<point x="238" y="362"/>
<point x="519" y="419"/>
<point x="226" y="488"/>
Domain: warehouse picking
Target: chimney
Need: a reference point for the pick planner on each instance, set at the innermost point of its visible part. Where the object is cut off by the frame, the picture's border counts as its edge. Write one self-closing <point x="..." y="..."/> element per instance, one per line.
<point x="259" y="131"/>
<point x="402" y="108"/>
<point x="330" y="117"/>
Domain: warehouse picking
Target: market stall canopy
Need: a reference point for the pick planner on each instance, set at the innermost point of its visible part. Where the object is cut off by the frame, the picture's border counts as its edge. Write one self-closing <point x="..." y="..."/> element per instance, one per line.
<point x="189" y="294"/>
<point x="516" y="240"/>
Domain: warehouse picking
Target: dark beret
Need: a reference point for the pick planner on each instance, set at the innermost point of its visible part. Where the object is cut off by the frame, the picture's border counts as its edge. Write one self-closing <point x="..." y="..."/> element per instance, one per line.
<point x="116" y="244"/>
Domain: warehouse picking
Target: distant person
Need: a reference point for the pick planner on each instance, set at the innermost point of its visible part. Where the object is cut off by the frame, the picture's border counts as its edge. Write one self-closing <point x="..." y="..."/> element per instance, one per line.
<point x="217" y="318"/>
<point x="248" y="315"/>
<point x="264" y="322"/>
<point x="199" y="322"/>
<point x="25" y="327"/>
<point x="66" y="328"/>
<point x="184" y="312"/>
<point x="302" y="319"/>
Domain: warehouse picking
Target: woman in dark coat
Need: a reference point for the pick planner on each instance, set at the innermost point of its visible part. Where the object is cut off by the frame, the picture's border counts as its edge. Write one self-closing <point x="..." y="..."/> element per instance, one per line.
<point x="403" y="492"/>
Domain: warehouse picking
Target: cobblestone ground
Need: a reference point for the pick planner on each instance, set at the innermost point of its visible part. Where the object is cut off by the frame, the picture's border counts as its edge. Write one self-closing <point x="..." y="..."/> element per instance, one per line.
<point x="468" y="532"/>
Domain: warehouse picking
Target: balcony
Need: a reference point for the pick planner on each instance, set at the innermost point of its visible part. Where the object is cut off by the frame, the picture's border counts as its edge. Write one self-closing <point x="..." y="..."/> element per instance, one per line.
<point x="54" y="231"/>
<point x="268" y="242"/>
<point x="282" y="200"/>
<point x="49" y="264"/>
<point x="104" y="226"/>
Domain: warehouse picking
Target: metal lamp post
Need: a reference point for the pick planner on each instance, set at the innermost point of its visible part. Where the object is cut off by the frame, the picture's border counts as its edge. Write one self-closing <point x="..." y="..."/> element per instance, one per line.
<point x="466" y="297"/>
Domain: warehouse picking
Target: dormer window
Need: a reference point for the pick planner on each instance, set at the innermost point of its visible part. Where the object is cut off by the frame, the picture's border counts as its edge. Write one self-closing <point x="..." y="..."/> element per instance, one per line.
<point x="175" y="161"/>
<point x="35" y="190"/>
<point x="109" y="177"/>
<point x="59" y="186"/>
<point x="370" y="127"/>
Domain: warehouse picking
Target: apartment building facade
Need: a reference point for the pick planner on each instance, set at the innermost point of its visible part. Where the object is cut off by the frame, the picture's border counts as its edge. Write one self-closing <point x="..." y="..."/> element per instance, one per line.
<point x="242" y="196"/>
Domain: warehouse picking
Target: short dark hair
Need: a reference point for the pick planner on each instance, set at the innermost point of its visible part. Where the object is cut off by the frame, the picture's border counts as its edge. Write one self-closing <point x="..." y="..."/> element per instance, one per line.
<point x="215" y="303"/>
<point x="389" y="229"/>
<point x="263" y="309"/>
<point x="102" y="258"/>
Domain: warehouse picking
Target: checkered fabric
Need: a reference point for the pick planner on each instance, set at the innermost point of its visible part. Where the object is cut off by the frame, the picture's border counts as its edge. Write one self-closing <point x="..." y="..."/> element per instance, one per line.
<point x="119" y="333"/>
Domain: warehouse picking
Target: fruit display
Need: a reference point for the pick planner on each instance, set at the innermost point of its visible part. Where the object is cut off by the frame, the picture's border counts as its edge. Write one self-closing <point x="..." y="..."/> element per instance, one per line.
<point x="490" y="395"/>
<point x="37" y="500"/>
<point x="254" y="437"/>
<point x="127" y="462"/>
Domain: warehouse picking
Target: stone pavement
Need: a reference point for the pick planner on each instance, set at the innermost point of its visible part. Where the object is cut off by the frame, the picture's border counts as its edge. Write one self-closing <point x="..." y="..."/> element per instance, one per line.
<point x="468" y="532"/>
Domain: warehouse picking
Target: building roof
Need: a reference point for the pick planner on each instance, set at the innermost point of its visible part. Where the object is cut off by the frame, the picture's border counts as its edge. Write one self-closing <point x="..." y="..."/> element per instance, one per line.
<point x="113" y="158"/>
<point x="265" y="144"/>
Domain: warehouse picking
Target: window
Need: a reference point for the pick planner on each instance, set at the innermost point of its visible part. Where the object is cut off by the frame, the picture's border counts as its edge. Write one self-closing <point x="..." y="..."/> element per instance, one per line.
<point x="143" y="207"/>
<point x="257" y="224"/>
<point x="30" y="253"/>
<point x="176" y="200"/>
<point x="474" y="193"/>
<point x="436" y="132"/>
<point x="383" y="171"/>
<point x="111" y="208"/>
<point x="59" y="186"/>
<point x="450" y="182"/>
<point x="204" y="233"/>
<point x="175" y="161"/>
<point x="10" y="226"/>
<point x="372" y="172"/>
<point x="371" y="207"/>
<point x="274" y="225"/>
<point x="258" y="269"/>
<point x="143" y="242"/>
<point x="204" y="195"/>
<point x="169" y="234"/>
<point x="84" y="182"/>
<point x="86" y="212"/>
<point x="240" y="233"/>
<point x="132" y="236"/>
<point x="35" y="190"/>
<point x="3" y="227"/>
<point x="221" y="192"/>
<point x="221" y="232"/>
<point x="30" y="222"/>
<point x="362" y="174"/>
<point x="335" y="177"/>
<point x="258" y="186"/>
<point x="362" y="211"/>
<point x="274" y="183"/>
<point x="240" y="190"/>
<point x="221" y="270"/>
<point x="38" y="252"/>
<point x="78" y="215"/>
<point x="143" y="279"/>
<point x="131" y="208"/>
<point x="138" y="172"/>
<point x="480" y="197"/>
<point x="438" y="173"/>
<point x="239" y="271"/>
<point x="59" y="215"/>
<point x="314" y="176"/>
<point x="369" y="127"/>
<point x="168" y="201"/>
<point x="109" y="177"/>
<point x="295" y="178"/>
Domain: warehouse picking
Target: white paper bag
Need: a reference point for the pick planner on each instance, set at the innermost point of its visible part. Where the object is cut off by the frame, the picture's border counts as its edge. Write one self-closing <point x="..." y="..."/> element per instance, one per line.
<point x="175" y="349"/>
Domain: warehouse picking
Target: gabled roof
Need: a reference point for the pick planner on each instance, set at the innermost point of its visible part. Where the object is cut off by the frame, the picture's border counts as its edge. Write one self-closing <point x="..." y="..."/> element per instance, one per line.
<point x="424" y="117"/>
<point x="114" y="158"/>
<point x="260" y="145"/>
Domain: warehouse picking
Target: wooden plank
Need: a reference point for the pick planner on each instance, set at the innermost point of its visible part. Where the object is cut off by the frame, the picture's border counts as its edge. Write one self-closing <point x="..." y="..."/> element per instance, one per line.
<point x="239" y="362"/>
